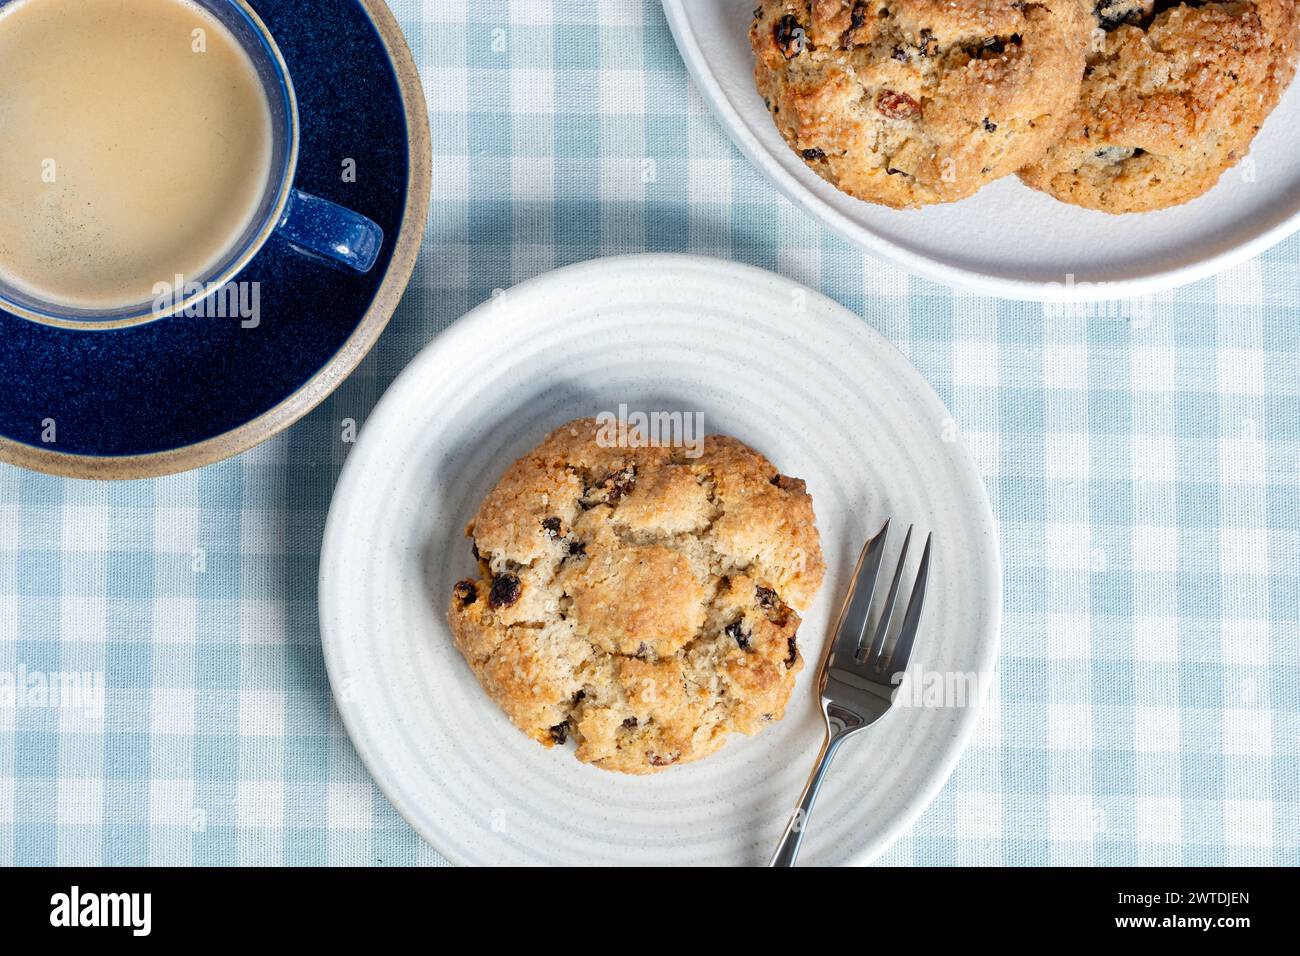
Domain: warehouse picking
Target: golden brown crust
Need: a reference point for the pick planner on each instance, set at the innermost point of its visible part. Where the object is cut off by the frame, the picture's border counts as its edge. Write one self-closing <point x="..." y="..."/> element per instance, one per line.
<point x="638" y="599"/>
<point x="913" y="102"/>
<point x="1170" y="102"/>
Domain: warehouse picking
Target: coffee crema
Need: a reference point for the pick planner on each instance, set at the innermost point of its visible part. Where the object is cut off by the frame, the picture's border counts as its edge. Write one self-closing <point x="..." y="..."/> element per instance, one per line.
<point x="135" y="145"/>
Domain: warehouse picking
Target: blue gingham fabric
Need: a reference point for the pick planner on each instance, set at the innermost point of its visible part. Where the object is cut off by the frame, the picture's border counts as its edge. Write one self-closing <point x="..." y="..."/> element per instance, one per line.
<point x="1143" y="463"/>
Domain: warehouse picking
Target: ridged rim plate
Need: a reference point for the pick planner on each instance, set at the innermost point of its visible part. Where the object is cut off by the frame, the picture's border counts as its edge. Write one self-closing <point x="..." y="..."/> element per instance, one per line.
<point x="1008" y="240"/>
<point x="777" y="365"/>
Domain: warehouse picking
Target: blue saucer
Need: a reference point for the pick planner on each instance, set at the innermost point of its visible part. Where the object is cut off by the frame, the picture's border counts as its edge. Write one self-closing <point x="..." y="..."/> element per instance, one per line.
<point x="172" y="394"/>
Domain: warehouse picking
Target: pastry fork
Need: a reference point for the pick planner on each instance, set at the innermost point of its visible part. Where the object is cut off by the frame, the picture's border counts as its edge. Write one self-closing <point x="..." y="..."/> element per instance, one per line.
<point x="856" y="681"/>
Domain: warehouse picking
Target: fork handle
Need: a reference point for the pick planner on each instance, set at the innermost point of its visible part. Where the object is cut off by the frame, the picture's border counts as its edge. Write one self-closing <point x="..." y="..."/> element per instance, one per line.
<point x="788" y="848"/>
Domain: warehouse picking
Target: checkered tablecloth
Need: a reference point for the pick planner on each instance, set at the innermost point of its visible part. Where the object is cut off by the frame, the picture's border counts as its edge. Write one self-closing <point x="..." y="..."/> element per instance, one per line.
<point x="1145" y="473"/>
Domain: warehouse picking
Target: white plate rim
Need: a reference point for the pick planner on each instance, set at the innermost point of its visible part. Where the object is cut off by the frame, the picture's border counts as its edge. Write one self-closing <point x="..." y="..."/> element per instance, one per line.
<point x="466" y="328"/>
<point x="1008" y="288"/>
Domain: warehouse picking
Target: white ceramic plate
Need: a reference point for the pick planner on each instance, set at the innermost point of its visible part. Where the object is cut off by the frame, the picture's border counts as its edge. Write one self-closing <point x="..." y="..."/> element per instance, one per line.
<point x="777" y="365"/>
<point x="1008" y="240"/>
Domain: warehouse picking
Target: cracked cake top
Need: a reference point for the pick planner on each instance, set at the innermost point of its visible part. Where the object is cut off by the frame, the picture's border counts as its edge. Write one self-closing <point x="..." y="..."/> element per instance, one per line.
<point x="914" y="102"/>
<point x="641" y="600"/>
<point x="1173" y="96"/>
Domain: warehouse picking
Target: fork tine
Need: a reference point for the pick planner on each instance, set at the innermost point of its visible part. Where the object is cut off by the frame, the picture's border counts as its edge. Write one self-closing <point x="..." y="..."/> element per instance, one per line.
<point x="873" y="653"/>
<point x="912" y="620"/>
<point x="852" y="622"/>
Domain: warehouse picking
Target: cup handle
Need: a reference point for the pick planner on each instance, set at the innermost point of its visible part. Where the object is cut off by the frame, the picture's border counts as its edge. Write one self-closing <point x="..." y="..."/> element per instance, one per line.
<point x="329" y="232"/>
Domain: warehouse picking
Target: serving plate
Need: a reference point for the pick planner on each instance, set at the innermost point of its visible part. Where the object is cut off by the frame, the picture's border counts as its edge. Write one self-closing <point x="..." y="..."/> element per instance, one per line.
<point x="1008" y="240"/>
<point x="777" y="365"/>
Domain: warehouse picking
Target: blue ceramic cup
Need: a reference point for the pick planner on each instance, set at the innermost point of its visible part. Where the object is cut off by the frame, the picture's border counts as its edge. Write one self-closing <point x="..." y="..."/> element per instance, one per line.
<point x="315" y="227"/>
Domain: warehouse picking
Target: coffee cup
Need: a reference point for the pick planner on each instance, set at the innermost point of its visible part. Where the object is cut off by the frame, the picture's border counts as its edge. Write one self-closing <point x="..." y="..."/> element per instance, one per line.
<point x="148" y="150"/>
